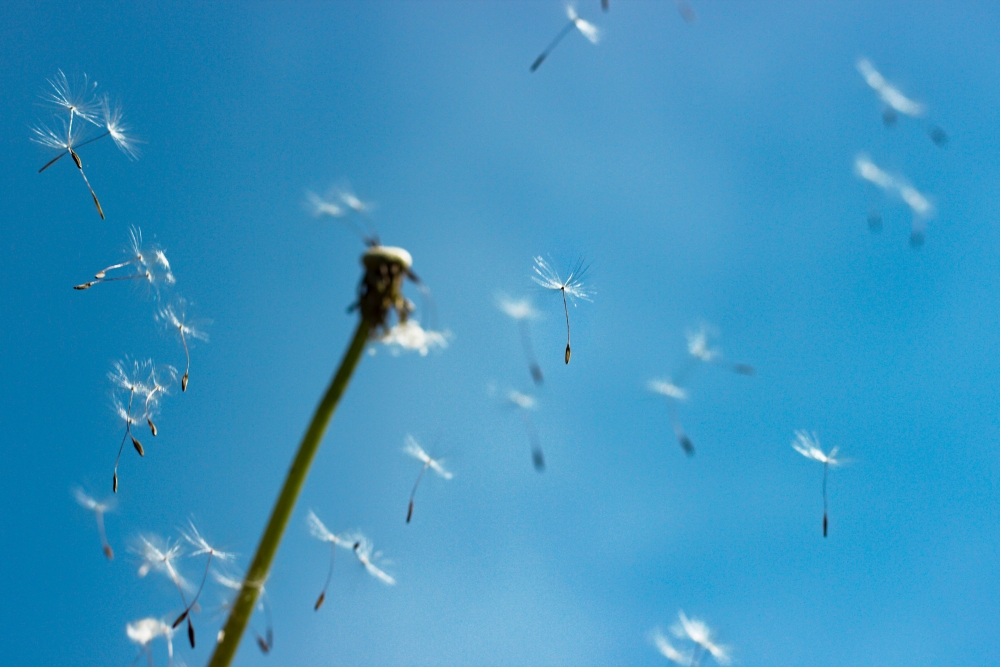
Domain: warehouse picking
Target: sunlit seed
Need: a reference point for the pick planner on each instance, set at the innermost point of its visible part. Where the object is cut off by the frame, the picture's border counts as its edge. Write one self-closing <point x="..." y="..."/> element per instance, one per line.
<point x="319" y="601"/>
<point x="138" y="446"/>
<point x="108" y="552"/>
<point x="184" y="382"/>
<point x="152" y="426"/>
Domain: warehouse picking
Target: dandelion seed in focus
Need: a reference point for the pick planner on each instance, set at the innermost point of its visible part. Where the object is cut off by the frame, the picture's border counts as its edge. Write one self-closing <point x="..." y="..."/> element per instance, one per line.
<point x="588" y="30"/>
<point x="99" y="509"/>
<point x="364" y="551"/>
<point x="149" y="265"/>
<point x="323" y="534"/>
<point x="201" y="548"/>
<point x="80" y="101"/>
<point x="174" y="317"/>
<point x="522" y="311"/>
<point x="129" y="375"/>
<point x="571" y="288"/>
<point x="414" y="449"/>
<point x="808" y="446"/>
<point x="918" y="203"/>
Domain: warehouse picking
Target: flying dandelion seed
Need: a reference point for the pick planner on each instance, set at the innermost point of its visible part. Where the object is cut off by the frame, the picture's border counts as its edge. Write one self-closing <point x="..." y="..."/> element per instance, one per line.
<point x="144" y="631"/>
<point x="99" y="509"/>
<point x="895" y="102"/>
<point x="80" y="101"/>
<point x="673" y="394"/>
<point x="338" y="204"/>
<point x="159" y="555"/>
<point x="572" y="287"/>
<point x="918" y="203"/>
<point x="149" y="265"/>
<point x="414" y="449"/>
<point x="321" y="533"/>
<point x="174" y="317"/>
<point x="201" y="548"/>
<point x="128" y="375"/>
<point x="667" y="650"/>
<point x="808" y="446"/>
<point x="265" y="642"/>
<point x="698" y="632"/>
<point x="588" y="30"/>
<point x="364" y="551"/>
<point x="522" y="311"/>
<point x="525" y="404"/>
<point x="161" y="379"/>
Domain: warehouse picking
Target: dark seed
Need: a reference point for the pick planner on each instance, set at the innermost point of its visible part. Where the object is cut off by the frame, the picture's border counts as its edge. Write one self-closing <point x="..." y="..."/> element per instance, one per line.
<point x="108" y="552"/>
<point x="319" y="601"/>
<point x="190" y="633"/>
<point x="184" y="382"/>
<point x="138" y="446"/>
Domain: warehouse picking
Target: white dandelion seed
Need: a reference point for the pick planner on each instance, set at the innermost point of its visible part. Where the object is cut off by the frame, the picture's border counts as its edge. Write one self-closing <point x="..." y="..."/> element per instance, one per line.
<point x="144" y="631"/>
<point x="896" y="102"/>
<point x="128" y="375"/>
<point x="414" y="449"/>
<point x="409" y="336"/>
<point x="159" y="555"/>
<point x="323" y="534"/>
<point x="571" y="288"/>
<point x="99" y="509"/>
<point x="77" y="97"/>
<point x="525" y="404"/>
<point x="808" y="446"/>
<point x="117" y="129"/>
<point x="324" y="208"/>
<point x="148" y="265"/>
<point x="364" y="551"/>
<point x="587" y="29"/>
<point x="201" y="547"/>
<point x="698" y="632"/>
<point x="668" y="651"/>
<point x="673" y="393"/>
<point x="174" y="317"/>
<point x="918" y="203"/>
<point x="522" y="311"/>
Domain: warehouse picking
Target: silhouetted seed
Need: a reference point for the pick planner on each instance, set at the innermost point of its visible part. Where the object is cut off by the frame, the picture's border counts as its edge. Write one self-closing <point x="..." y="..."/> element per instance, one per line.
<point x="687" y="445"/>
<point x="319" y="601"/>
<point x="180" y="619"/>
<point x="538" y="459"/>
<point x="875" y="222"/>
<point x="536" y="374"/>
<point x="152" y="426"/>
<point x="538" y="61"/>
<point x="76" y="158"/>
<point x="114" y="485"/>
<point x="743" y="369"/>
<point x="938" y="136"/>
<point x="264" y="648"/>
<point x="356" y="545"/>
<point x="824" y="525"/>
<point x="184" y="382"/>
<point x="409" y="512"/>
<point x="138" y="446"/>
<point x="190" y="633"/>
<point x="567" y="353"/>
<point x="84" y="286"/>
<point x="889" y="117"/>
<point x="916" y="239"/>
<point x="108" y="552"/>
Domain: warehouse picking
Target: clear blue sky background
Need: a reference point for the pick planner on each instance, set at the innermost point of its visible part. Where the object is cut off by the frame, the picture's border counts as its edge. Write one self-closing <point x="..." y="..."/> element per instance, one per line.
<point x="706" y="173"/>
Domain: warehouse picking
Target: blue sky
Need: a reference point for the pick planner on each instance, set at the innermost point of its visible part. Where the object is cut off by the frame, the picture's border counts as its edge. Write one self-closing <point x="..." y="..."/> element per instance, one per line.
<point x="704" y="171"/>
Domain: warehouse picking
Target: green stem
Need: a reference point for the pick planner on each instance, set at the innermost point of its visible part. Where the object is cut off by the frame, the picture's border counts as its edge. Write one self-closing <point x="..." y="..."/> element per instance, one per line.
<point x="261" y="565"/>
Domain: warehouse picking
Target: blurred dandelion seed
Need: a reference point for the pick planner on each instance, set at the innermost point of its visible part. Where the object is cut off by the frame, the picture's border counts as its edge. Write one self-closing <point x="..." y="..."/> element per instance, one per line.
<point x="338" y="203"/>
<point x="668" y="651"/>
<point x="673" y="393"/>
<point x="808" y="446"/>
<point x="80" y="101"/>
<point x="414" y="449"/>
<point x="409" y="336"/>
<point x="895" y="101"/>
<point x="321" y="533"/>
<point x="144" y="631"/>
<point x="174" y="317"/>
<point x="99" y="509"/>
<point x="525" y="404"/>
<point x="522" y="311"/>
<point x="698" y="632"/>
<point x="572" y="287"/>
<point x="918" y="203"/>
<point x="201" y="547"/>
<point x="588" y="30"/>
<point x="149" y="265"/>
<point x="159" y="555"/>
<point x="364" y="551"/>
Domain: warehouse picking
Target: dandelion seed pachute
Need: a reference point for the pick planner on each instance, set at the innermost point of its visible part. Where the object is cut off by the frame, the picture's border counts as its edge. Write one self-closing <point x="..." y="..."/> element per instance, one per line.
<point x="571" y="289"/>
<point x="698" y="632"/>
<point x="370" y="559"/>
<point x="889" y="94"/>
<point x="807" y="444"/>
<point x="587" y="29"/>
<point x="414" y="450"/>
<point x="99" y="509"/>
<point x="523" y="311"/>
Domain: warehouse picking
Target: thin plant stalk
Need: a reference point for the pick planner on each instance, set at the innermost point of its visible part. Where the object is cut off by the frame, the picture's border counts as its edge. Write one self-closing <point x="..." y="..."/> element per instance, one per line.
<point x="245" y="601"/>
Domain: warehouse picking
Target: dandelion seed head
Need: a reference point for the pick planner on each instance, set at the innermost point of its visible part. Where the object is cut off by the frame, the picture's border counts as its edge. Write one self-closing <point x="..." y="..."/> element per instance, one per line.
<point x="201" y="546"/>
<point x="409" y="336"/>
<point x="117" y="129"/>
<point x="548" y="278"/>
<point x="808" y="446"/>
<point x="890" y="95"/>
<point x="128" y="374"/>
<point x="668" y="389"/>
<point x="75" y="97"/>
<point x="414" y="449"/>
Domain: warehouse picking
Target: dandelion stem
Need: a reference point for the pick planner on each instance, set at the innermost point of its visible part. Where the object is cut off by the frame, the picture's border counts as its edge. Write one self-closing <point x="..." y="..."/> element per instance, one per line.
<point x="261" y="565"/>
